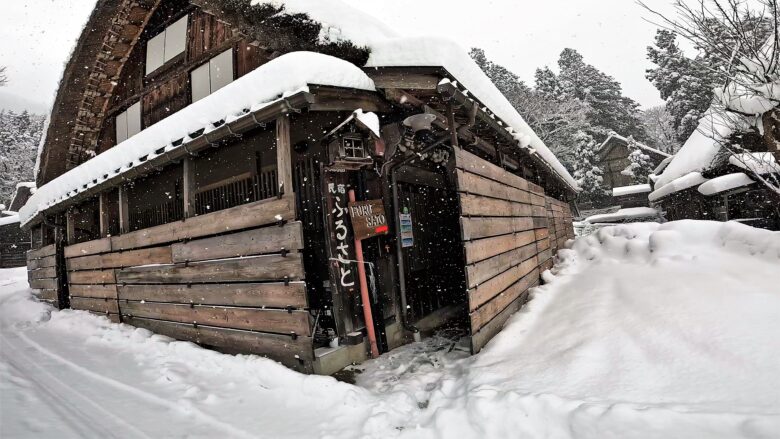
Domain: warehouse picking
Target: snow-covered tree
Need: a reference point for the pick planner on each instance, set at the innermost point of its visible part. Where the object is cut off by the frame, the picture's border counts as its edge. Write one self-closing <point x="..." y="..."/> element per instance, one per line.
<point x="3" y="77"/>
<point x="640" y="165"/>
<point x="659" y="126"/>
<point x="20" y="134"/>
<point x="589" y="176"/>
<point x="609" y="109"/>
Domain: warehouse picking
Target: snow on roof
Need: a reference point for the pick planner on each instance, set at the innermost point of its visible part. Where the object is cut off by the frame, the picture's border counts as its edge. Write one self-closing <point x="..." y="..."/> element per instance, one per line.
<point x="725" y="183"/>
<point x="682" y="183"/>
<point x="441" y="52"/>
<point x="699" y="151"/>
<point x="614" y="135"/>
<point x="339" y="21"/>
<point x="6" y="220"/>
<point x="27" y="184"/>
<point x="631" y="190"/>
<point x="757" y="162"/>
<point x="278" y="78"/>
<point x="632" y="213"/>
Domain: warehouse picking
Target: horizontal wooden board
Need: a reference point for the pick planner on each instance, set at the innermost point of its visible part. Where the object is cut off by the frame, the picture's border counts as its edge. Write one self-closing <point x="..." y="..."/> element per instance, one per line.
<point x="95" y="291"/>
<point x="482" y="249"/>
<point x="103" y="306"/>
<point x="485" y="292"/>
<point x="256" y="268"/>
<point x="475" y="205"/>
<point x="146" y="256"/>
<point x="251" y="319"/>
<point x="297" y="354"/>
<point x="270" y="239"/>
<point x="46" y="294"/>
<point x="272" y="295"/>
<point x="43" y="273"/>
<point x="481" y="316"/>
<point x="475" y="184"/>
<point x="473" y="164"/>
<point x="483" y="227"/>
<point x="481" y="338"/>
<point x="542" y="244"/>
<point x="44" y="284"/>
<point x="92" y="277"/>
<point x="541" y="233"/>
<point x="489" y="268"/>
<point x="44" y="262"/>
<point x="537" y="200"/>
<point x="246" y="216"/>
<point x="88" y="248"/>
<point x="42" y="252"/>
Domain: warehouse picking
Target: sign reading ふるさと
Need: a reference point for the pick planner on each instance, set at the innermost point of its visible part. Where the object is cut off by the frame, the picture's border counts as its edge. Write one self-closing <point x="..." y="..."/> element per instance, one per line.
<point x="368" y="219"/>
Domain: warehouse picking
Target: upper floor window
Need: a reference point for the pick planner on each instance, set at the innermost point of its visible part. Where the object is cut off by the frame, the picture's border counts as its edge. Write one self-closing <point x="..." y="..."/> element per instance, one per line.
<point x="166" y="46"/>
<point x="212" y="76"/>
<point x="128" y="123"/>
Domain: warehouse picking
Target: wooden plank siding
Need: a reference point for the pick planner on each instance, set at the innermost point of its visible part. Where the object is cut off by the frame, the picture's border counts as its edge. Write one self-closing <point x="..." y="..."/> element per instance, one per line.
<point x="505" y="229"/>
<point x="43" y="274"/>
<point x="233" y="279"/>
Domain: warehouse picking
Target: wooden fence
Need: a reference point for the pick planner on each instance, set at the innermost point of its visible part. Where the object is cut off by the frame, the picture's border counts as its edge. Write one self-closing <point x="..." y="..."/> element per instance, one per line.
<point x="42" y="266"/>
<point x="505" y="228"/>
<point x="232" y="280"/>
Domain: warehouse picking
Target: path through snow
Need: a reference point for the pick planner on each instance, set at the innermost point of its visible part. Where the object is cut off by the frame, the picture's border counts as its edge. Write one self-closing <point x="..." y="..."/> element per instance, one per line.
<point x="641" y="331"/>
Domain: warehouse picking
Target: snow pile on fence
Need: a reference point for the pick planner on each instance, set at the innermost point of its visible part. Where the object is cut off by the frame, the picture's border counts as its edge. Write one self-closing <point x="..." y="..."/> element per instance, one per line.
<point x="686" y="181"/>
<point x="281" y="77"/>
<point x="11" y="219"/>
<point x="628" y="214"/>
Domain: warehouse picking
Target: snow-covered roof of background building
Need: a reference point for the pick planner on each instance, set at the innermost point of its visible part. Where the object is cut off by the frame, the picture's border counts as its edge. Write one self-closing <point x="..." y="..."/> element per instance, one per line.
<point x="639" y="145"/>
<point x="631" y="190"/>
<point x="725" y="183"/>
<point x="757" y="162"/>
<point x="278" y="78"/>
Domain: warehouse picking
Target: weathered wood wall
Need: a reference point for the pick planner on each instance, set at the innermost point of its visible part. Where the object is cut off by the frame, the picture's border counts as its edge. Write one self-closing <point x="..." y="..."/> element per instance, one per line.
<point x="43" y="275"/>
<point x="14" y="244"/>
<point x="506" y="230"/>
<point x="232" y="279"/>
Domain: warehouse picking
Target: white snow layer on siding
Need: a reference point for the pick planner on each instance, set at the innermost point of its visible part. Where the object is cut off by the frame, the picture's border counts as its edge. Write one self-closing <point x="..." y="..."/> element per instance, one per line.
<point x="289" y="73"/>
<point x="631" y="190"/>
<point x="682" y="183"/>
<point x="440" y="52"/>
<point x="725" y="183"/>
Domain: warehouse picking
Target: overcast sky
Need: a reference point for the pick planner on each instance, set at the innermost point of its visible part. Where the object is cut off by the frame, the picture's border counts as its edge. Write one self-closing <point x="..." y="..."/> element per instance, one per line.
<point x="36" y="37"/>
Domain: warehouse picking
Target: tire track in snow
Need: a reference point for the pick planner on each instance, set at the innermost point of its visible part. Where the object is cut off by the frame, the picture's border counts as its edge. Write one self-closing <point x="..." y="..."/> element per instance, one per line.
<point x="147" y="396"/>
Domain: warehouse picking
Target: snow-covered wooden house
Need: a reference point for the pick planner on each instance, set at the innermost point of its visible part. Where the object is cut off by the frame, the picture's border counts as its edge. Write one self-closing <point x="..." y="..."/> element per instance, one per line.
<point x="14" y="242"/>
<point x="613" y="159"/>
<point x="290" y="179"/>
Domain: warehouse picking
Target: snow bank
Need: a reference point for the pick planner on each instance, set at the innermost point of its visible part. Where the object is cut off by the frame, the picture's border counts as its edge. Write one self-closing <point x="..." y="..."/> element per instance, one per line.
<point x="632" y="213"/>
<point x="725" y="183"/>
<point x="631" y="190"/>
<point x="677" y="185"/>
<point x="440" y="52"/>
<point x="289" y="73"/>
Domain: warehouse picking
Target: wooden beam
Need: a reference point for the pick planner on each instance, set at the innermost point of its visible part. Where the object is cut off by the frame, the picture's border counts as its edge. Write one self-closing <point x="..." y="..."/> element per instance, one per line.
<point x="284" y="154"/>
<point x="124" y="211"/>
<point x="189" y="188"/>
<point x="70" y="235"/>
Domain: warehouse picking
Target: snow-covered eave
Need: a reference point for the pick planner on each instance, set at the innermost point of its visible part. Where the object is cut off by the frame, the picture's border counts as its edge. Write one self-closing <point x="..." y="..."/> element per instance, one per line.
<point x="687" y="181"/>
<point x="450" y="84"/>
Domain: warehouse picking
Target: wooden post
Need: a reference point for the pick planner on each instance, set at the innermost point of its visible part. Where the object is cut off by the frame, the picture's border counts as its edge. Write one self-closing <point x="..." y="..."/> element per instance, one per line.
<point x="189" y="188"/>
<point x="70" y="235"/>
<point x="452" y="125"/>
<point x="104" y="221"/>
<point x="124" y="211"/>
<point x="284" y="154"/>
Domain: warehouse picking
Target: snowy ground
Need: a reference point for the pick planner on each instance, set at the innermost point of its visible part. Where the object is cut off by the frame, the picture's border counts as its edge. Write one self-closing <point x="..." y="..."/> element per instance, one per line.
<point x="642" y="331"/>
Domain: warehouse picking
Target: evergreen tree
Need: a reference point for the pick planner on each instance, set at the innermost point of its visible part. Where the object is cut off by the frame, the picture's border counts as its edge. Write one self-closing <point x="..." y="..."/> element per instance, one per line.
<point x="20" y="134"/>
<point x="685" y="84"/>
<point x="640" y="165"/>
<point x="609" y="109"/>
<point x="589" y="176"/>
